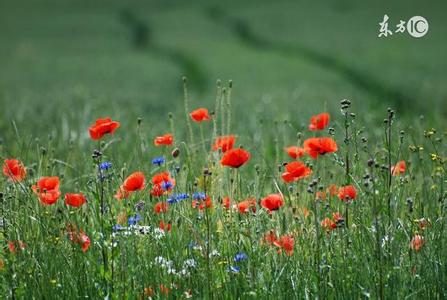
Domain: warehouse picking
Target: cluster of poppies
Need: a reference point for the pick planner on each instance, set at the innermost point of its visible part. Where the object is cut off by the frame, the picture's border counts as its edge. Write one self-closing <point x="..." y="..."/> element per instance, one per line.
<point x="47" y="189"/>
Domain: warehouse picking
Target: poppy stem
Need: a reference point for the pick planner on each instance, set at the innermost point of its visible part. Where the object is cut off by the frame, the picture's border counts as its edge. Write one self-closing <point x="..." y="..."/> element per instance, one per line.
<point x="186" y="102"/>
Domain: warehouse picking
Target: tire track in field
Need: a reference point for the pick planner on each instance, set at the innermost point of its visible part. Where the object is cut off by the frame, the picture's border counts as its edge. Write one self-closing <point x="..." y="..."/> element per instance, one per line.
<point x="141" y="35"/>
<point x="362" y="80"/>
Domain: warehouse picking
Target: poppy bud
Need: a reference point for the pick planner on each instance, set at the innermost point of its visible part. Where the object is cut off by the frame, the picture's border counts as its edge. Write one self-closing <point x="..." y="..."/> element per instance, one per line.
<point x="218" y="82"/>
<point x="345" y="102"/>
<point x="175" y="153"/>
<point x="43" y="150"/>
<point x="230" y="83"/>
<point x="139" y="120"/>
<point x="184" y="79"/>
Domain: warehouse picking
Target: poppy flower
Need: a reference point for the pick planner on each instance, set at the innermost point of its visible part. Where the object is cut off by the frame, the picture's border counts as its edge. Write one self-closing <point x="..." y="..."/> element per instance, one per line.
<point x="417" y="242"/>
<point x="162" y="184"/>
<point x="338" y="219"/>
<point x="287" y="243"/>
<point x="164" y="289"/>
<point x="270" y="238"/>
<point x="246" y="205"/>
<point x="346" y="193"/>
<point x="47" y="189"/>
<point x="75" y="200"/>
<point x="84" y="241"/>
<point x="295" y="171"/>
<point x="14" y="169"/>
<point x="202" y="204"/>
<point x="295" y="151"/>
<point x="272" y="202"/>
<point x="319" y="146"/>
<point x="102" y="127"/>
<point x="166" y="140"/>
<point x="224" y="143"/>
<point x="399" y="168"/>
<point x="200" y="115"/>
<point x="134" y="182"/>
<point x="235" y="158"/>
<point x="320" y="195"/>
<point x="12" y="246"/>
<point x="333" y="190"/>
<point x="319" y="122"/>
<point x="121" y="193"/>
<point x="165" y="226"/>
<point x="226" y="202"/>
<point x="328" y="224"/>
<point x="161" y="207"/>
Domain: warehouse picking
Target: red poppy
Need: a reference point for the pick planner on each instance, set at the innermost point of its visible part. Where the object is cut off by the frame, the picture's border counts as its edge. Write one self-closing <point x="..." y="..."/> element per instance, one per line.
<point x="320" y="195"/>
<point x="333" y="190"/>
<point x="346" y="193"/>
<point x="135" y="182"/>
<point x="272" y="202"/>
<point x="337" y="217"/>
<point x="286" y="242"/>
<point x="12" y="246"/>
<point x="270" y="238"/>
<point x="328" y="224"/>
<point x="161" y="207"/>
<point x="417" y="242"/>
<point x="162" y="184"/>
<point x="295" y="151"/>
<point x="164" y="290"/>
<point x="47" y="189"/>
<point x="246" y="205"/>
<point x="200" y="115"/>
<point x="294" y="171"/>
<point x="224" y="143"/>
<point x="399" y="168"/>
<point x="84" y="241"/>
<point x="202" y="204"/>
<point x="78" y="237"/>
<point x="121" y="193"/>
<point x="167" y="140"/>
<point x="165" y="226"/>
<point x="102" y="127"/>
<point x="226" y="202"/>
<point x="319" y="122"/>
<point x="14" y="169"/>
<point x="75" y="200"/>
<point x="235" y="158"/>
<point x="319" y="146"/>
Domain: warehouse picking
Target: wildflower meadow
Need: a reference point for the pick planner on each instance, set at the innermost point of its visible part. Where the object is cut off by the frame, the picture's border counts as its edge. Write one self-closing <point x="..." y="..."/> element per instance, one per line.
<point x="336" y="211"/>
<point x="223" y="149"/>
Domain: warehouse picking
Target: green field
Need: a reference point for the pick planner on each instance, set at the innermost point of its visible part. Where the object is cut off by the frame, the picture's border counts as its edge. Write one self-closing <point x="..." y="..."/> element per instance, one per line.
<point x="64" y="64"/>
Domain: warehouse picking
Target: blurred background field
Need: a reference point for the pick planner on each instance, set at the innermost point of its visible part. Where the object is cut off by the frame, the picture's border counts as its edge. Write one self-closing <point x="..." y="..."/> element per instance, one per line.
<point x="69" y="62"/>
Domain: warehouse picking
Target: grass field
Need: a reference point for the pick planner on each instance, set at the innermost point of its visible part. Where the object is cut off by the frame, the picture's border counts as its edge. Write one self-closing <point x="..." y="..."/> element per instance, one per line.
<point x="262" y="69"/>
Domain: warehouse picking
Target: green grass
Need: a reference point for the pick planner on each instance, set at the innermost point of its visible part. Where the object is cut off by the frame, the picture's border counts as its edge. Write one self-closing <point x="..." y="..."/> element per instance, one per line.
<point x="65" y="64"/>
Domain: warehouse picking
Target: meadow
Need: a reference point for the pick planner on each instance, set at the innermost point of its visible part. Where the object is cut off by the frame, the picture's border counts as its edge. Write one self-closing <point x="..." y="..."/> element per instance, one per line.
<point x="314" y="168"/>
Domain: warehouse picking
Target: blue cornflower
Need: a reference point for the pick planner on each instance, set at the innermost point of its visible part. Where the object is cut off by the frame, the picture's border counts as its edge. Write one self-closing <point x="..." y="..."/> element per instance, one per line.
<point x="175" y="198"/>
<point x="234" y="269"/>
<point x="117" y="227"/>
<point x="105" y="165"/>
<point x="134" y="219"/>
<point x="158" y="161"/>
<point x="166" y="185"/>
<point x="199" y="196"/>
<point x="240" y="257"/>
